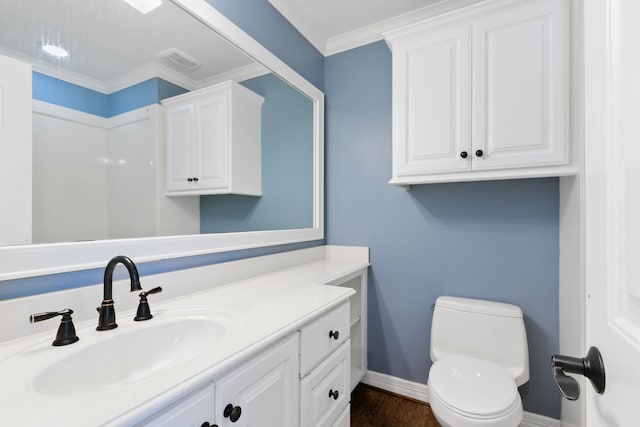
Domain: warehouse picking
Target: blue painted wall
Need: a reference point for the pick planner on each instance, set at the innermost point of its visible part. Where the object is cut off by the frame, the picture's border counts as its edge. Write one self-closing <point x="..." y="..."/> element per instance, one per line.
<point x="59" y="92"/>
<point x="495" y="240"/>
<point x="279" y="36"/>
<point x="287" y="173"/>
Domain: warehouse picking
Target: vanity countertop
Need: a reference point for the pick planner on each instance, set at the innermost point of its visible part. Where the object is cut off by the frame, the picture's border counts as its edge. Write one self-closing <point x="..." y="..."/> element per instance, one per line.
<point x="256" y="311"/>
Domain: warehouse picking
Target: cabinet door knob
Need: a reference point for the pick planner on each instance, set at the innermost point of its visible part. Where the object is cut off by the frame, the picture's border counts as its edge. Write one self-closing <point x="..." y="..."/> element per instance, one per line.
<point x="334" y="334"/>
<point x="195" y="179"/>
<point x="190" y="179"/>
<point x="232" y="412"/>
<point x="206" y="424"/>
<point x="463" y="154"/>
<point x="334" y="393"/>
<point x="479" y="153"/>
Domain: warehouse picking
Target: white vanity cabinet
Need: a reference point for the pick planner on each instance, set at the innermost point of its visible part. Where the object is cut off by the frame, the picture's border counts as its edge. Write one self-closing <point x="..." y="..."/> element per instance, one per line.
<point x="260" y="392"/>
<point x="213" y="139"/>
<point x="193" y="410"/>
<point x="325" y="368"/>
<point x="265" y="390"/>
<point x="482" y="93"/>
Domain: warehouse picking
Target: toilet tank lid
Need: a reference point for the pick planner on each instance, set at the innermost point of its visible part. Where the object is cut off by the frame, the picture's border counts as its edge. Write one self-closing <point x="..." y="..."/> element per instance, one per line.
<point x="479" y="306"/>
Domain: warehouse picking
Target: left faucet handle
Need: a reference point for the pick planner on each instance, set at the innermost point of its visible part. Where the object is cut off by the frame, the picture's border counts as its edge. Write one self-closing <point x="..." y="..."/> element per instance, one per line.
<point x="66" y="331"/>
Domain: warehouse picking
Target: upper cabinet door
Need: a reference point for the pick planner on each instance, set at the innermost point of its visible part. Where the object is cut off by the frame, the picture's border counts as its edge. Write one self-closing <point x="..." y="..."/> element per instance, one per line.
<point x="431" y="102"/>
<point x="180" y="128"/>
<point x="519" y="87"/>
<point x="212" y="157"/>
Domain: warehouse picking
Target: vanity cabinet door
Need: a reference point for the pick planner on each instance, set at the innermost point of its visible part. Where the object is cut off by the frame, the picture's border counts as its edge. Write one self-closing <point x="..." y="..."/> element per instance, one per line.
<point x="262" y="392"/>
<point x="193" y="410"/>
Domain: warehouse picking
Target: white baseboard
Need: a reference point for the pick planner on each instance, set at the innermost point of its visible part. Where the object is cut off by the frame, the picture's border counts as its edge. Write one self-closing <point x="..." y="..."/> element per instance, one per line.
<point x="419" y="391"/>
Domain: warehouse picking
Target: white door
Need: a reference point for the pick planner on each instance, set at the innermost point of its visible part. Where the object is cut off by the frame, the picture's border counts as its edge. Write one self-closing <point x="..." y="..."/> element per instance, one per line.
<point x="612" y="206"/>
<point x="15" y="152"/>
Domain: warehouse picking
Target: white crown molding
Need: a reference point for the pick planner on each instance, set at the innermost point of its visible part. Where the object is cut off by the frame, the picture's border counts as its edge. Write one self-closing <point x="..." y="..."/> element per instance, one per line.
<point x="294" y="14"/>
<point x="374" y="32"/>
<point x="150" y="71"/>
<point x="419" y="391"/>
<point x="239" y="74"/>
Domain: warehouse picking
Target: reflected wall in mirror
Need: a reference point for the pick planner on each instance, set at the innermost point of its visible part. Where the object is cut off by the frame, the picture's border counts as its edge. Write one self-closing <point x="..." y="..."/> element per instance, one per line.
<point x="98" y="125"/>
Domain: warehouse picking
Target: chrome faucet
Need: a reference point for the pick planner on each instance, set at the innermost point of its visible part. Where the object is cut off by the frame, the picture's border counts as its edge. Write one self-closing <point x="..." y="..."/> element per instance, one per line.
<point x="107" y="318"/>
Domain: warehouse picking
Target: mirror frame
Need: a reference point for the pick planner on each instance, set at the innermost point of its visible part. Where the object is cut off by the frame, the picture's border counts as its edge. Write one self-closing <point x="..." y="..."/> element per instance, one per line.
<point x="43" y="259"/>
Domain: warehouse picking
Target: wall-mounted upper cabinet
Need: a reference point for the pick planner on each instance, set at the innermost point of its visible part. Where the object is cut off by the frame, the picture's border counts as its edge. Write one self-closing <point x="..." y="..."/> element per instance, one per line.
<point x="213" y="140"/>
<point x="482" y="93"/>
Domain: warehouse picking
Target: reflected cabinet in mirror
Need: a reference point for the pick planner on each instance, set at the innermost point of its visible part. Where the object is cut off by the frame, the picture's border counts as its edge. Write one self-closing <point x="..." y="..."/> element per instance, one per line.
<point x="159" y="132"/>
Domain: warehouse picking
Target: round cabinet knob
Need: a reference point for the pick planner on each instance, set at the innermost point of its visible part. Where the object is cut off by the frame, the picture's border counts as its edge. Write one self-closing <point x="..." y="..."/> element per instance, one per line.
<point x="334" y="334"/>
<point x="479" y="153"/>
<point x="195" y="179"/>
<point x="232" y="412"/>
<point x="334" y="393"/>
<point x="190" y="179"/>
<point x="206" y="424"/>
<point x="464" y="154"/>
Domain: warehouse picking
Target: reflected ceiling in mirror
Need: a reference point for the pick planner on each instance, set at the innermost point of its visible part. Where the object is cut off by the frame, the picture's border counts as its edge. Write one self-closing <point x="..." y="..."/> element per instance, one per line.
<point x="92" y="106"/>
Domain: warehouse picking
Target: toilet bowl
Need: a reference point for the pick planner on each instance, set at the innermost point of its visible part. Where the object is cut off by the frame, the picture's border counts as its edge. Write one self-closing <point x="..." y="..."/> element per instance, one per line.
<point x="480" y="356"/>
<point x="468" y="392"/>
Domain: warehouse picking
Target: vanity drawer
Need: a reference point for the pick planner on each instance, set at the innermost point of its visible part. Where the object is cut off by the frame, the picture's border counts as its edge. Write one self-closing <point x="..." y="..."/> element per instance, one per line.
<point x="344" y="420"/>
<point x="325" y="392"/>
<point x="322" y="336"/>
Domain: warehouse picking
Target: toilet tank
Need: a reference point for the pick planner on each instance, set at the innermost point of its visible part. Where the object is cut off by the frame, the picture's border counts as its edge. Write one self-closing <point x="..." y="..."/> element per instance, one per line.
<point x="482" y="329"/>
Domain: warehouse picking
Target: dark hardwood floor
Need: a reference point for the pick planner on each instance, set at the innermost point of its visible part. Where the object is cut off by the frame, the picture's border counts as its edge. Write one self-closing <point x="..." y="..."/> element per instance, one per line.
<point x="372" y="407"/>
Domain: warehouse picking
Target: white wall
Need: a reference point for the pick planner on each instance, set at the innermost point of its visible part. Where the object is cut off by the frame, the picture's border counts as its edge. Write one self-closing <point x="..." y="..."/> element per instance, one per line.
<point x="69" y="180"/>
<point x="97" y="178"/>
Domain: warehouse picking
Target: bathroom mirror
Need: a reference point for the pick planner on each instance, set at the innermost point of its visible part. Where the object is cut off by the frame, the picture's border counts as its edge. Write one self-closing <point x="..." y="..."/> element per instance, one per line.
<point x="224" y="52"/>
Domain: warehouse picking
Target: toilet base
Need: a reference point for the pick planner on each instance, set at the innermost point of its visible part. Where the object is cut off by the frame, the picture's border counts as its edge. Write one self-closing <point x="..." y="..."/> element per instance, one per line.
<point x="448" y="418"/>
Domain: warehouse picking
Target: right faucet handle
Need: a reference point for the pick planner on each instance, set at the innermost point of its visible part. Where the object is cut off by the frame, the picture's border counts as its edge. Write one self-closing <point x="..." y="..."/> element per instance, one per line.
<point x="144" y="312"/>
<point x="66" y="331"/>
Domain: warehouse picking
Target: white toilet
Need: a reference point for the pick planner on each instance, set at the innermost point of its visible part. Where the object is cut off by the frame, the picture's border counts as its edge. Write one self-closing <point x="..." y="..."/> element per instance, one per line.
<point x="480" y="357"/>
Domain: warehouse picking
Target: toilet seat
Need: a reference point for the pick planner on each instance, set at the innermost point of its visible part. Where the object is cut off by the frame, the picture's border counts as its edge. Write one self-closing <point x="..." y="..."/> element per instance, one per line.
<point x="474" y="389"/>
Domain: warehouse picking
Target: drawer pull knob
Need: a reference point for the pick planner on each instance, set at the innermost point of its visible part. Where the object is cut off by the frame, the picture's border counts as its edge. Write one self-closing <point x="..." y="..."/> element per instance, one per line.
<point x="232" y="412"/>
<point x="334" y="334"/>
<point x="206" y="424"/>
<point x="479" y="153"/>
<point x="334" y="393"/>
<point x="463" y="154"/>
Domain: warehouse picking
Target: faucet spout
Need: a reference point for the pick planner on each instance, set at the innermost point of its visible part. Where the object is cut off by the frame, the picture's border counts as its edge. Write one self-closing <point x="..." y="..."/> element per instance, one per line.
<point x="107" y="318"/>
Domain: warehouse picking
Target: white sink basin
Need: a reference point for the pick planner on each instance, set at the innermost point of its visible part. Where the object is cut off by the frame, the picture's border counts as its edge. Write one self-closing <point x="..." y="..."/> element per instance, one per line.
<point x="176" y="343"/>
<point x="130" y="356"/>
